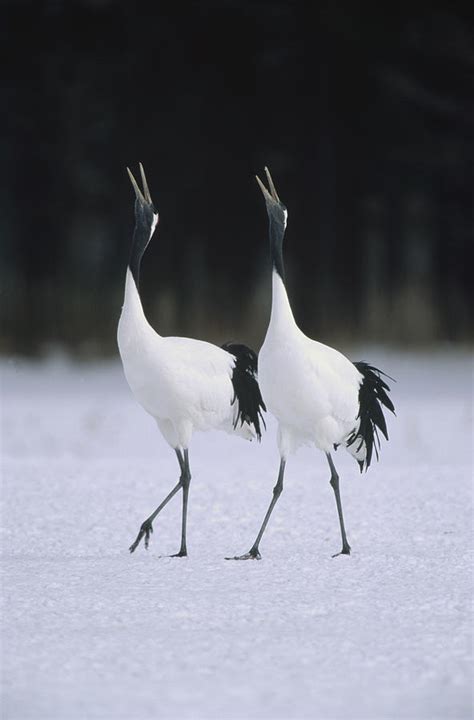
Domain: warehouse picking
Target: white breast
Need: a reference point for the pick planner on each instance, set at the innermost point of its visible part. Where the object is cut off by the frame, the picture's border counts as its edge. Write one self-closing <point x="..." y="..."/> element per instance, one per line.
<point x="184" y="384"/>
<point x="311" y="388"/>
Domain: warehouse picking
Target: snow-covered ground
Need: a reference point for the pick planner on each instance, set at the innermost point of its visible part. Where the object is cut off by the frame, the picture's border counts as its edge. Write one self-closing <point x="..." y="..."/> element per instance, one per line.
<point x="90" y="631"/>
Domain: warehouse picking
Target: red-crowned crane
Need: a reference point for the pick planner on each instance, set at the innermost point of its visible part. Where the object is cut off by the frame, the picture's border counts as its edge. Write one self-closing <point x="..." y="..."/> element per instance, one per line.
<point x="318" y="396"/>
<point x="186" y="385"/>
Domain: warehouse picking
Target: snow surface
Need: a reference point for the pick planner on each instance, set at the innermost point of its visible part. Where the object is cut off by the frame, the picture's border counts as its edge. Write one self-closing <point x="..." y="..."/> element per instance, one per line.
<point x="90" y="631"/>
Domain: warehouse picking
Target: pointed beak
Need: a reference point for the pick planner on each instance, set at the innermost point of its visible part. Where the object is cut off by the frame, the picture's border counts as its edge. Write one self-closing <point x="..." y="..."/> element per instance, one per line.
<point x="271" y="185"/>
<point x="145" y="185"/>
<point x="272" y="196"/>
<point x="264" y="190"/>
<point x="143" y="197"/>
<point x="138" y="192"/>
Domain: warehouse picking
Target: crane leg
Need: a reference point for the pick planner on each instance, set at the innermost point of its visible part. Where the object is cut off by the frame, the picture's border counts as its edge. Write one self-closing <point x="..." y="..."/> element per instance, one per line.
<point x="186" y="478"/>
<point x="147" y="527"/>
<point x="253" y="553"/>
<point x="334" y="481"/>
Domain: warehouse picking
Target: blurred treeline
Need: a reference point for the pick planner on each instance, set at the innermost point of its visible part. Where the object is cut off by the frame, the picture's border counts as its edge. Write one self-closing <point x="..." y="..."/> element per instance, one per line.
<point x="364" y="114"/>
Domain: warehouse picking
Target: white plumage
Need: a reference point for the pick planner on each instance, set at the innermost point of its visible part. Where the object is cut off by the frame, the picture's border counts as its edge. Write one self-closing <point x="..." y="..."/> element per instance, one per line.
<point x="318" y="396"/>
<point x="186" y="385"/>
<point x="312" y="389"/>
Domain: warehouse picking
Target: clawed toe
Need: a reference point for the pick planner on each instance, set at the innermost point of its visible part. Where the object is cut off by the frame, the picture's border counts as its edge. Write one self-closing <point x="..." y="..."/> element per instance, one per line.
<point x="251" y="555"/>
<point x="145" y="530"/>
<point x="346" y="550"/>
<point x="148" y="532"/>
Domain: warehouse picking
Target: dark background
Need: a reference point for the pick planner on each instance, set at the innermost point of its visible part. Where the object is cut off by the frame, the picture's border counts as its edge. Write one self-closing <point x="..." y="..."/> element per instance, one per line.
<point x="363" y="112"/>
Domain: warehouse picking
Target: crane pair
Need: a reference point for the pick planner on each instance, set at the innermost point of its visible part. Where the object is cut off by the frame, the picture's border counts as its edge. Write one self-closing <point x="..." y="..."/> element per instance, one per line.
<point x="318" y="396"/>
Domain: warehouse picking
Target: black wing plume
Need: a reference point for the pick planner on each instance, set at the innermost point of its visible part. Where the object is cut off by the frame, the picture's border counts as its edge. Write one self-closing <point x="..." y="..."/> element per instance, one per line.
<point x="246" y="388"/>
<point x="372" y="396"/>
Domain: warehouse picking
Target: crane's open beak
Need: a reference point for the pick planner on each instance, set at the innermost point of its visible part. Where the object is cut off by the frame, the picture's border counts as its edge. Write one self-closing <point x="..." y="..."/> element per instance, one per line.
<point x="271" y="196"/>
<point x="143" y="197"/>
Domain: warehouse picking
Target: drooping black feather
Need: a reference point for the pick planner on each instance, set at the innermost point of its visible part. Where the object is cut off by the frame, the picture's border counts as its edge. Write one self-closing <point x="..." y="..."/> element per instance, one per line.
<point x="372" y="395"/>
<point x="246" y="389"/>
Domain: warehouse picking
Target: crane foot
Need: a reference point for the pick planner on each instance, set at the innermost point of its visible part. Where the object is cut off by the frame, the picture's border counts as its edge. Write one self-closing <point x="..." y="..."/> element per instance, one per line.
<point x="145" y="530"/>
<point x="252" y="554"/>
<point x="346" y="550"/>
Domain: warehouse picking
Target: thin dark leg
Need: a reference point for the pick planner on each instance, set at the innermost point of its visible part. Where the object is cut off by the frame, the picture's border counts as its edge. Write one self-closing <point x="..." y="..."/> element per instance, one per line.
<point x="254" y="553"/>
<point x="334" y="481"/>
<point x="147" y="528"/>
<point x="186" y="478"/>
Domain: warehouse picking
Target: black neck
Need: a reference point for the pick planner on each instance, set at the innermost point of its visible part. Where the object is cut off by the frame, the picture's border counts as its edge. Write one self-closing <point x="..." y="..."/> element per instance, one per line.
<point x="277" y="233"/>
<point x="141" y="238"/>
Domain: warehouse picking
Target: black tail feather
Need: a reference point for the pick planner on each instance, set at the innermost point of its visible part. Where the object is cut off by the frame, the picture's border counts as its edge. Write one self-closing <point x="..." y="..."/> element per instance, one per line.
<point x="372" y="395"/>
<point x="246" y="388"/>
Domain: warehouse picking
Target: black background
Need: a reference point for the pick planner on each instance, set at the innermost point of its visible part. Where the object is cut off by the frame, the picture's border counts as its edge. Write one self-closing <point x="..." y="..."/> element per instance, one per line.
<point x="363" y="112"/>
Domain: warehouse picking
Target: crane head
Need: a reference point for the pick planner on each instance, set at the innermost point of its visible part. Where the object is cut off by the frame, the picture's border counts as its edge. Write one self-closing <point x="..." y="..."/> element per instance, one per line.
<point x="275" y="208"/>
<point x="146" y="215"/>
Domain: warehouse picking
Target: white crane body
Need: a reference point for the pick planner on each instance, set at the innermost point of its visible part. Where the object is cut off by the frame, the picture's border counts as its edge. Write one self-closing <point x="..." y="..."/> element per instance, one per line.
<point x="186" y="385"/>
<point x="318" y="396"/>
<point x="312" y="389"/>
